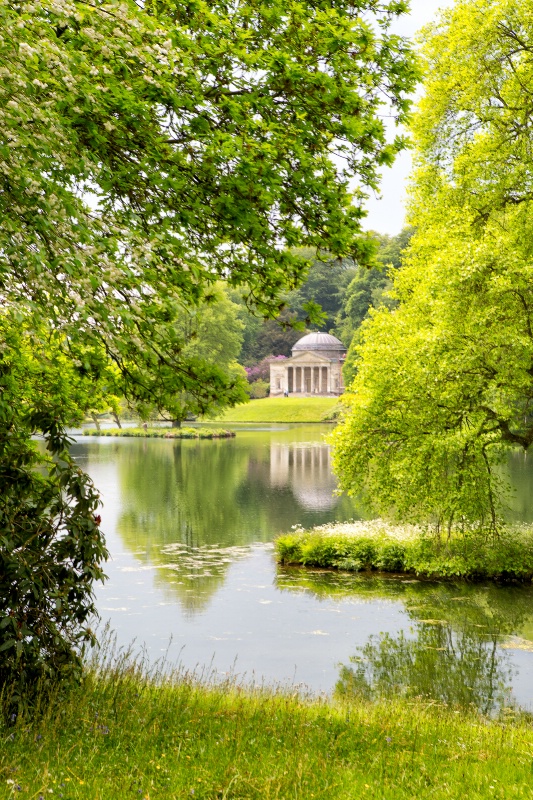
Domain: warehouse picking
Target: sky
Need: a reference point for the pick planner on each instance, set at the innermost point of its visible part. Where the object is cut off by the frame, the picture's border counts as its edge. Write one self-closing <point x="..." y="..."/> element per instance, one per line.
<point x="386" y="214"/>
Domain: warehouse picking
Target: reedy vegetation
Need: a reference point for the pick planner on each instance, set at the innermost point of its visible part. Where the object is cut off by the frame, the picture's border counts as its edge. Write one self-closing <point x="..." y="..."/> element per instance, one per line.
<point x="124" y="733"/>
<point x="164" y="433"/>
<point x="376" y="545"/>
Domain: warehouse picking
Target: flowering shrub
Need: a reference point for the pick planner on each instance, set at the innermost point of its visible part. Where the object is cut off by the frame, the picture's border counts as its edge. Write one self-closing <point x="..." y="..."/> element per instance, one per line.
<point x="261" y="370"/>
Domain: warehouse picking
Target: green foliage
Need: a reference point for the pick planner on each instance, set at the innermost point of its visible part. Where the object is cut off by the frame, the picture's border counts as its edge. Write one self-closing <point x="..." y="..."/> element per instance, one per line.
<point x="333" y="414"/>
<point x="509" y="557"/>
<point x="259" y="389"/>
<point x="370" y="288"/>
<point x="51" y="546"/>
<point x="325" y="285"/>
<point x="444" y="384"/>
<point x="164" y="433"/>
<point x="262" y="338"/>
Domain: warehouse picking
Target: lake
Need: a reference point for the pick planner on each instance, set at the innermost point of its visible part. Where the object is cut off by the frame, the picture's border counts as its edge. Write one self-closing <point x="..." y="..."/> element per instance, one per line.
<point x="192" y="575"/>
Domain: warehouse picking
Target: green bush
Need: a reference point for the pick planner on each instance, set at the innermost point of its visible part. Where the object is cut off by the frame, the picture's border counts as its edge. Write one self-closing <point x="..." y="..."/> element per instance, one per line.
<point x="51" y="551"/>
<point x="259" y="390"/>
<point x="464" y="555"/>
<point x="289" y="549"/>
<point x="391" y="557"/>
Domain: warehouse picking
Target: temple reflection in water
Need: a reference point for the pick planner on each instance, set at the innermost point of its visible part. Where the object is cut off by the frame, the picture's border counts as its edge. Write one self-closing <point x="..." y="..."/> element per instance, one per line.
<point x="306" y="468"/>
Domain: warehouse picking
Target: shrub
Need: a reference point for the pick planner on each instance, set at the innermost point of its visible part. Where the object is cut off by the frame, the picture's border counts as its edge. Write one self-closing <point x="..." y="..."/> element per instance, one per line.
<point x="261" y="370"/>
<point x="259" y="389"/>
<point x="357" y="546"/>
<point x="391" y="557"/>
<point x="51" y="550"/>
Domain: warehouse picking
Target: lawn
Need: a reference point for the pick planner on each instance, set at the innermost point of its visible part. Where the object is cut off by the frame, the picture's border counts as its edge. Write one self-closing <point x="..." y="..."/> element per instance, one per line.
<point x="282" y="409"/>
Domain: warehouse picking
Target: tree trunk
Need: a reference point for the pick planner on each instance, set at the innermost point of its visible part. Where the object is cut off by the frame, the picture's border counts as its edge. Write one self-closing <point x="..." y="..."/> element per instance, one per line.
<point x="176" y="423"/>
<point x="96" y="421"/>
<point x="117" y="419"/>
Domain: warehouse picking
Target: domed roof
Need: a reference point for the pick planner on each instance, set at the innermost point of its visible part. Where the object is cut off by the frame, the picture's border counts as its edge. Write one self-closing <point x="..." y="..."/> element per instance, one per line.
<point x="319" y="341"/>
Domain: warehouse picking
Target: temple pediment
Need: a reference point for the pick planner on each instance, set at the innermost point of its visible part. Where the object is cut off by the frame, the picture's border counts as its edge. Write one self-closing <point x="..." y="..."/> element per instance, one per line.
<point x="308" y="357"/>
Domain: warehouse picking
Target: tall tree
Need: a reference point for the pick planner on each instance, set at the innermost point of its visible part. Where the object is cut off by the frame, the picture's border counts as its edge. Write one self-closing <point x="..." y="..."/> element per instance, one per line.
<point x="325" y="284"/>
<point x="369" y="288"/>
<point x="148" y="151"/>
<point x="445" y="381"/>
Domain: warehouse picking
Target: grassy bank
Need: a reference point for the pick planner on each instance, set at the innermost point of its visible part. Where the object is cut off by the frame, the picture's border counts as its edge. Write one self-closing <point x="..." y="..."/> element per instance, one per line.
<point x="123" y="736"/>
<point x="283" y="409"/>
<point x="375" y="545"/>
<point x="163" y="433"/>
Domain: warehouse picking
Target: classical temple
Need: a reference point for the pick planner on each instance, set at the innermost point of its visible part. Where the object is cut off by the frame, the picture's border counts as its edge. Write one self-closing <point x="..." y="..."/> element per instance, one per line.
<point x="315" y="368"/>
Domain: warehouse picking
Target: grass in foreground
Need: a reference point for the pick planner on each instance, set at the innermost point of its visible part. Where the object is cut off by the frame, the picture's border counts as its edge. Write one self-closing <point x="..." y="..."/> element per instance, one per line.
<point x="375" y="545"/>
<point x="122" y="735"/>
<point x="283" y="409"/>
<point x="163" y="433"/>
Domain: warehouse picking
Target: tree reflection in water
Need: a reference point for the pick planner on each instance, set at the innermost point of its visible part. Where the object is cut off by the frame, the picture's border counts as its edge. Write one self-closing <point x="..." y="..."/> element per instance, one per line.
<point x="454" y="650"/>
<point x="456" y="668"/>
<point x="192" y="508"/>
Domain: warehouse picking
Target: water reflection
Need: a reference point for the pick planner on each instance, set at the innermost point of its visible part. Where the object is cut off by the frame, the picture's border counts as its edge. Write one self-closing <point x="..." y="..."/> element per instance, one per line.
<point x="306" y="469"/>
<point x="188" y="508"/>
<point x="459" y="669"/>
<point x="190" y="526"/>
<point x="456" y="651"/>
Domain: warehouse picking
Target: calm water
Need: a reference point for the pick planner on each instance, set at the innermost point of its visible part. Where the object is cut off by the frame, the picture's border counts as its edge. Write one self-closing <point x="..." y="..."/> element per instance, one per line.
<point x="190" y="527"/>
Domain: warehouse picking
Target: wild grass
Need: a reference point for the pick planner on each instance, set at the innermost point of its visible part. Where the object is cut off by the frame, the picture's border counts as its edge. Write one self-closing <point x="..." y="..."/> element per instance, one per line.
<point x="283" y="409"/>
<point x="376" y="545"/>
<point x="164" y="433"/>
<point x="126" y="734"/>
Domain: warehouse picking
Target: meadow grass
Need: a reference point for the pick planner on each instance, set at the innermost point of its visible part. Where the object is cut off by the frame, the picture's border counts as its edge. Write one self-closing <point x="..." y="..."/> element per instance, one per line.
<point x="163" y="433"/>
<point x="283" y="409"/>
<point x="377" y="545"/>
<point x="123" y="734"/>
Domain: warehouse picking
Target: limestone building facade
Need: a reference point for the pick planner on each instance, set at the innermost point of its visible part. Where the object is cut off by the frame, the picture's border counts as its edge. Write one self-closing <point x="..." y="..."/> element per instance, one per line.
<point x="315" y="368"/>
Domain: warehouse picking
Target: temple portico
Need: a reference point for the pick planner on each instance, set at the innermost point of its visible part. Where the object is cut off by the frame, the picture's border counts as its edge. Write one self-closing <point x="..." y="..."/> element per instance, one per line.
<point x="315" y="368"/>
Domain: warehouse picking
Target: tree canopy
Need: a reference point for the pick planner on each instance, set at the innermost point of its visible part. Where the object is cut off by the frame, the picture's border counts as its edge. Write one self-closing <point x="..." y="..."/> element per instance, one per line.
<point x="445" y="380"/>
<point x="146" y="152"/>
